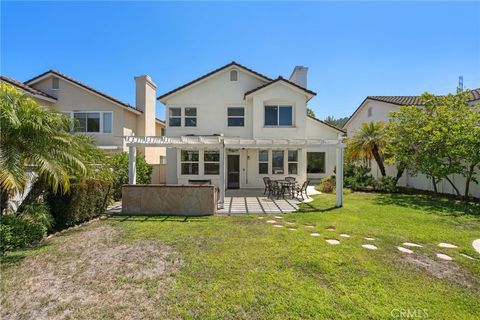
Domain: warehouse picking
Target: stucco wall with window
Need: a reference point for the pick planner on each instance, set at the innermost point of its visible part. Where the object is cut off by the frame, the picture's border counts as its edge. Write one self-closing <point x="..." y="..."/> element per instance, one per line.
<point x="72" y="98"/>
<point x="212" y="97"/>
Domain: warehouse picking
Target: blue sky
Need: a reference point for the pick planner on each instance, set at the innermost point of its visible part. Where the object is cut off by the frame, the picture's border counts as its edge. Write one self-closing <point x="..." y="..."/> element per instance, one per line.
<point x="352" y="49"/>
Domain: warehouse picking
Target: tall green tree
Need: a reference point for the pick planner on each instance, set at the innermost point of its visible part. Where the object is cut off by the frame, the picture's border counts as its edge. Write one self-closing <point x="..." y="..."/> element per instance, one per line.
<point x="337" y="122"/>
<point x="39" y="138"/>
<point x="310" y="113"/>
<point x="439" y="139"/>
<point x="367" y="142"/>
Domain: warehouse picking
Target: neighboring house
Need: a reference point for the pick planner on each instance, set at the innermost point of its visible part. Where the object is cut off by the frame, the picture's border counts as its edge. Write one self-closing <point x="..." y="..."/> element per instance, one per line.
<point x="378" y="108"/>
<point x="101" y="116"/>
<point x="260" y="120"/>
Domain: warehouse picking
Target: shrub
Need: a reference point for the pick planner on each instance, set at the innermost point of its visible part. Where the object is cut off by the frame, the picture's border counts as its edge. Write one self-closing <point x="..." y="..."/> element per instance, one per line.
<point x="358" y="177"/>
<point x="386" y="184"/>
<point x="327" y="185"/>
<point x="119" y="164"/>
<point x="23" y="228"/>
<point x="86" y="200"/>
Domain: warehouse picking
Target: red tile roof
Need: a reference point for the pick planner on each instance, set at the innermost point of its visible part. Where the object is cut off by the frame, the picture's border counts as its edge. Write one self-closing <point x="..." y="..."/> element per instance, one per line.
<point x="26" y="87"/>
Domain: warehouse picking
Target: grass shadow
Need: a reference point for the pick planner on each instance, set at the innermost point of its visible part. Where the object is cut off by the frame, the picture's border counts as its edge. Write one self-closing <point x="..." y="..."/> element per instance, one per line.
<point x="429" y="203"/>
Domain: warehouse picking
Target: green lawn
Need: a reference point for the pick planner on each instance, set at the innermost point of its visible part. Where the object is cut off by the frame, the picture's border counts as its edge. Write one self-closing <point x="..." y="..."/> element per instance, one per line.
<point x="242" y="267"/>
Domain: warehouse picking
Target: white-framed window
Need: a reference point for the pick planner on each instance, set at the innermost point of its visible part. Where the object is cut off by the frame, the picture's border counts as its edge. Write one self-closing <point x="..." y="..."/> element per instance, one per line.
<point x="278" y="165"/>
<point x="292" y="162"/>
<point x="262" y="161"/>
<point x="278" y="116"/>
<point x="211" y="162"/>
<point x="233" y="75"/>
<point x="175" y="117"/>
<point x="236" y="116"/>
<point x="189" y="162"/>
<point x="92" y="121"/>
<point x="55" y="83"/>
<point x="190" y="117"/>
<point x="315" y="162"/>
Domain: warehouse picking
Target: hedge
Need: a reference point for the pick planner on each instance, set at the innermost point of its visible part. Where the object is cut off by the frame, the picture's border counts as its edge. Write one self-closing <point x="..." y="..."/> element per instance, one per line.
<point x="86" y="200"/>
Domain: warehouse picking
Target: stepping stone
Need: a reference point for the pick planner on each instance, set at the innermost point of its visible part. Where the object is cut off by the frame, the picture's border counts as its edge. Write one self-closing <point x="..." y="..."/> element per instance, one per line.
<point x="332" y="241"/>
<point x="370" y="239"/>
<point x="476" y="245"/>
<point x="271" y="221"/>
<point x="411" y="244"/>
<point x="310" y="227"/>
<point x="447" y="245"/>
<point x="278" y="217"/>
<point x="330" y="228"/>
<point x="467" y="256"/>
<point x="405" y="250"/>
<point x="315" y="234"/>
<point x="277" y="226"/>
<point x="290" y="223"/>
<point x="344" y="235"/>
<point x="444" y="257"/>
<point x="369" y="246"/>
<point x="259" y="217"/>
<point x="293" y="229"/>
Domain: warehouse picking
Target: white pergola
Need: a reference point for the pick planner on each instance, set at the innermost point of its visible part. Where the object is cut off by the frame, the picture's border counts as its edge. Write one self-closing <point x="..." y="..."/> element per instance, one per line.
<point x="222" y="143"/>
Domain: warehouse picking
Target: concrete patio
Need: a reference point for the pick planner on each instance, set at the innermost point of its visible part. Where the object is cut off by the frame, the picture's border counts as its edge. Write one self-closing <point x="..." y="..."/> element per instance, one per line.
<point x="253" y="201"/>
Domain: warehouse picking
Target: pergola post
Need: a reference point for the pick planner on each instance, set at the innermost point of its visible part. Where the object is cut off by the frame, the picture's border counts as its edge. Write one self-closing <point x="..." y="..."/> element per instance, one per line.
<point x="339" y="176"/>
<point x="132" y="165"/>
<point x="222" y="176"/>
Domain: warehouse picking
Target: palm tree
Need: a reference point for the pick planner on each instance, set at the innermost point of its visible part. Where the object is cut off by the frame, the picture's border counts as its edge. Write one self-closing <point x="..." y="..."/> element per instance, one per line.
<point x="368" y="142"/>
<point x="39" y="138"/>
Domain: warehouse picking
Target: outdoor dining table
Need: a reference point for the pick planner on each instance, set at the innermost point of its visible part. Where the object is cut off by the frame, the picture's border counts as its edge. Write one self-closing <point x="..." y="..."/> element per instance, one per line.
<point x="286" y="184"/>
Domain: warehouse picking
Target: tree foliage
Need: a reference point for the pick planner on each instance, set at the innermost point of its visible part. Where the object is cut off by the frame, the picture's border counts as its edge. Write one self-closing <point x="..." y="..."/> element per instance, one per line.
<point x="439" y="139"/>
<point x="310" y="113"/>
<point x="337" y="122"/>
<point x="119" y="164"/>
<point x="39" y="138"/>
<point x="368" y="142"/>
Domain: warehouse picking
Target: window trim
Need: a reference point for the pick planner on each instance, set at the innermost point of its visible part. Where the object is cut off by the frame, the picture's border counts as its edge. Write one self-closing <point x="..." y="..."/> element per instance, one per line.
<point x="283" y="161"/>
<point x="278" y="125"/>
<point x="185" y="117"/>
<point x="174" y="117"/>
<point x="193" y="162"/>
<point x="71" y="115"/>
<point x="288" y="162"/>
<point x="236" y="117"/>
<point x="215" y="162"/>
<point x="230" y="75"/>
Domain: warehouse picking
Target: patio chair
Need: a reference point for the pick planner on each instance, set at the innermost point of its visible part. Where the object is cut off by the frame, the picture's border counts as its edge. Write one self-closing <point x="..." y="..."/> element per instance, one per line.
<point x="291" y="186"/>
<point x="274" y="188"/>
<point x="300" y="190"/>
<point x="266" y="180"/>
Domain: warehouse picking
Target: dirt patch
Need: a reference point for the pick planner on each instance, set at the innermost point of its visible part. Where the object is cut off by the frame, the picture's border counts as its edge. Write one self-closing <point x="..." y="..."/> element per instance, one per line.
<point x="443" y="270"/>
<point x="91" y="274"/>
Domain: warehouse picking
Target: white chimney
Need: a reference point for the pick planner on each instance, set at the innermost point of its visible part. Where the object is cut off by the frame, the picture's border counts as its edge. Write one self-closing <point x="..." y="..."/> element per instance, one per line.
<point x="299" y="76"/>
<point x="145" y="101"/>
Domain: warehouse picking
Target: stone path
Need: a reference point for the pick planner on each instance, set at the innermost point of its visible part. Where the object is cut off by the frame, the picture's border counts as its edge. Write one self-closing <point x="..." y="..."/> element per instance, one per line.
<point x="369" y="246"/>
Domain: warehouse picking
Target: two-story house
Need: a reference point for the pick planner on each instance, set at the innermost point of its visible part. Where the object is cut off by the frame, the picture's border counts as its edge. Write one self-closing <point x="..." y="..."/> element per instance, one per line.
<point x="101" y="116"/>
<point x="262" y="124"/>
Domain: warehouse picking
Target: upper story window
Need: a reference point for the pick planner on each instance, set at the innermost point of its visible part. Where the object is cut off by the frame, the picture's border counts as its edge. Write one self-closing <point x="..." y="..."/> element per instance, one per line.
<point x="236" y="117"/>
<point x="175" y="117"/>
<point x="190" y="117"/>
<point x="369" y="111"/>
<point x="93" y="122"/>
<point x="233" y="75"/>
<point x="55" y="83"/>
<point x="278" y="115"/>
